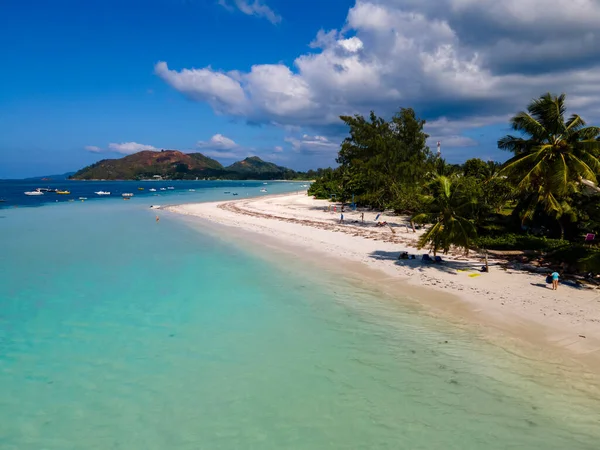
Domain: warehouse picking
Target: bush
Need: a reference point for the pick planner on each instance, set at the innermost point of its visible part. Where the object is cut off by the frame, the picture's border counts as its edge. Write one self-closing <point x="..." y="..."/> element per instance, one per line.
<point x="520" y="242"/>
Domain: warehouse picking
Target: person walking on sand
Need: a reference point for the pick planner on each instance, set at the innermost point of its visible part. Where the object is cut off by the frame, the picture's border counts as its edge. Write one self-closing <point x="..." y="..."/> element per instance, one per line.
<point x="554" y="281"/>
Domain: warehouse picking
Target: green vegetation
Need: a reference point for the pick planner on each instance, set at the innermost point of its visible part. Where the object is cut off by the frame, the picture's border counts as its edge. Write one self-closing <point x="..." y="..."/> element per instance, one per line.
<point x="175" y="165"/>
<point x="535" y="201"/>
<point x="448" y="206"/>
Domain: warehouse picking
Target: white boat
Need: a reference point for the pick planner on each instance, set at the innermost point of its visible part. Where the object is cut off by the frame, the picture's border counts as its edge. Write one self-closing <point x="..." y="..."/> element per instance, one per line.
<point x="82" y="198"/>
<point x="34" y="193"/>
<point x="263" y="190"/>
<point x="265" y="183"/>
<point x="127" y="194"/>
<point x="170" y="188"/>
<point x="162" y="189"/>
<point x="102" y="193"/>
<point x="192" y="190"/>
<point x="152" y="190"/>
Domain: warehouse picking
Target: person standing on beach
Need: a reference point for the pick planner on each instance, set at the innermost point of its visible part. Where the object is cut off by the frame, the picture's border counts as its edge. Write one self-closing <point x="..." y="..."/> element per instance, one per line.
<point x="555" y="281"/>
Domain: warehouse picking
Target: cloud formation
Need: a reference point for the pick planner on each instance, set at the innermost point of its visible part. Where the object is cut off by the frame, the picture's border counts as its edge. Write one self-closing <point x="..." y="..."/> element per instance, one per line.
<point x="127" y="148"/>
<point x="220" y="146"/>
<point x="460" y="63"/>
<point x="252" y="8"/>
<point x="92" y="148"/>
<point x="313" y="144"/>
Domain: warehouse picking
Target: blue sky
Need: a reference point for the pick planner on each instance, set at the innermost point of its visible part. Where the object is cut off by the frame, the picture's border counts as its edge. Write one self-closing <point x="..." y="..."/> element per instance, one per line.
<point x="86" y="80"/>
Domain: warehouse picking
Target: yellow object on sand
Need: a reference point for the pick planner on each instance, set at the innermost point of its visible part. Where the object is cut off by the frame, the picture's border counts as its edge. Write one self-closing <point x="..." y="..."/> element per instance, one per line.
<point x="473" y="275"/>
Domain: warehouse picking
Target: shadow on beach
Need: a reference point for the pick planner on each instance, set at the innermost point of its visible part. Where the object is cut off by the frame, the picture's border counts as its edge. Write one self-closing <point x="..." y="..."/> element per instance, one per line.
<point x="448" y="266"/>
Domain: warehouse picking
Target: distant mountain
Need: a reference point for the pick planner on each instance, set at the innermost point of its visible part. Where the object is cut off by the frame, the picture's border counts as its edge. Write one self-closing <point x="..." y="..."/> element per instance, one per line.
<point x="174" y="165"/>
<point x="146" y="164"/>
<point x="62" y="176"/>
<point x="254" y="164"/>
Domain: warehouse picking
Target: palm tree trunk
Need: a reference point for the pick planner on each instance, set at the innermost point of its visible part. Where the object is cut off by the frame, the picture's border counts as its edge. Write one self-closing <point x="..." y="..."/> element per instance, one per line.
<point x="562" y="228"/>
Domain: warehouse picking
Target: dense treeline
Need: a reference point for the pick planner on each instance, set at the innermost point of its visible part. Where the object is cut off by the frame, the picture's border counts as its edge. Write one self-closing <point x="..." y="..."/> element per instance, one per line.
<point x="543" y="198"/>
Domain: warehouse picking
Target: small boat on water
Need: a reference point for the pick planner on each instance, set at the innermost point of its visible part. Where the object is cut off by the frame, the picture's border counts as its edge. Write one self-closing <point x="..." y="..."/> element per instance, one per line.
<point x="33" y="193"/>
<point x="140" y="189"/>
<point x="152" y="190"/>
<point x="63" y="192"/>
<point x="45" y="190"/>
<point x="235" y="193"/>
<point x="192" y="190"/>
<point x="102" y="193"/>
<point x="227" y="192"/>
<point x="127" y="194"/>
<point x="163" y="189"/>
<point x="170" y="188"/>
<point x="82" y="198"/>
<point x="263" y="190"/>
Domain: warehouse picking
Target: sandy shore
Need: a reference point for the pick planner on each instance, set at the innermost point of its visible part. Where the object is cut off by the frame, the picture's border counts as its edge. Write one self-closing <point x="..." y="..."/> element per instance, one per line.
<point x="518" y="303"/>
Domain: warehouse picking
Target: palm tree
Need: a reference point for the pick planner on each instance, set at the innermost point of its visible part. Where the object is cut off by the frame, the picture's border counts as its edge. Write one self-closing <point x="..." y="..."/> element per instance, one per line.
<point x="551" y="157"/>
<point x="446" y="205"/>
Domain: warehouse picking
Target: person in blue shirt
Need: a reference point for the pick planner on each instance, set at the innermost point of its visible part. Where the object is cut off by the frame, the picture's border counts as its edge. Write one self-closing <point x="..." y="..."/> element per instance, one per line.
<point x="554" y="281"/>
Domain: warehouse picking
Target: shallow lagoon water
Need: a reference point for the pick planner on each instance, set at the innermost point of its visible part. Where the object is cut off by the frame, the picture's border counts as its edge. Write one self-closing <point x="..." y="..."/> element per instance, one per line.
<point x="117" y="332"/>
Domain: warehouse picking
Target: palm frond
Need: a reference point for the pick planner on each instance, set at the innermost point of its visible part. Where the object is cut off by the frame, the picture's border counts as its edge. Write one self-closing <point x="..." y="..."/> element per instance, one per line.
<point x="425" y="218"/>
<point x="583" y="169"/>
<point x="575" y="123"/>
<point x="529" y="125"/>
<point x="514" y="144"/>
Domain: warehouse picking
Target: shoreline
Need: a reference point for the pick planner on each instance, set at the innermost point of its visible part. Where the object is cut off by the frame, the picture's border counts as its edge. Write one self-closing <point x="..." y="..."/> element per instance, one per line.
<point x="511" y="304"/>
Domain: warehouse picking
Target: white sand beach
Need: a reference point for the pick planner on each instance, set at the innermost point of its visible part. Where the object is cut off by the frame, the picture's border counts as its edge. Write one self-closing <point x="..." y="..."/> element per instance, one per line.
<point x="519" y="304"/>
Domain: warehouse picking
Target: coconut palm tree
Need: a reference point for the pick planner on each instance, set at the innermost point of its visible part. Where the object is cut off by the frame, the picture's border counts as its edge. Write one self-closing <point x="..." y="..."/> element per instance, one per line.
<point x="447" y="205"/>
<point x="550" y="157"/>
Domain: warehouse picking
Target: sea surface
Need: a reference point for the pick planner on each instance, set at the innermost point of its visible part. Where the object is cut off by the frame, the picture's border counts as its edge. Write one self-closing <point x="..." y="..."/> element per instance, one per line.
<point x="12" y="192"/>
<point x="120" y="332"/>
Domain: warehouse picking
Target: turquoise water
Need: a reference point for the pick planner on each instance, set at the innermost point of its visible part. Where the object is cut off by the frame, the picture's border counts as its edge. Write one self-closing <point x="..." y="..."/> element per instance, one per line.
<point x="120" y="333"/>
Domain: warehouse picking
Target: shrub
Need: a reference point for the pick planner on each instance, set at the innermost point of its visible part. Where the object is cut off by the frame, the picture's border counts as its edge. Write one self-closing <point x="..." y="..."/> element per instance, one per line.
<point x="520" y="242"/>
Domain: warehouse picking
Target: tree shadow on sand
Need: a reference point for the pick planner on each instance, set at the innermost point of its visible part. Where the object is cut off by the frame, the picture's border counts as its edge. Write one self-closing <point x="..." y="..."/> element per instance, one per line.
<point x="448" y="266"/>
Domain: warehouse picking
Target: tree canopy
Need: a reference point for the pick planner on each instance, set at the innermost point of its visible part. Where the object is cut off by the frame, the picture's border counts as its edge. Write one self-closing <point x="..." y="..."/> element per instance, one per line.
<point x="538" y="194"/>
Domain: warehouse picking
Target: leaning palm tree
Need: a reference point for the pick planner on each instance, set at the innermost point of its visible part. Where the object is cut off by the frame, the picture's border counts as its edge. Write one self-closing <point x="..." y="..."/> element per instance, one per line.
<point x="446" y="205"/>
<point x="551" y="157"/>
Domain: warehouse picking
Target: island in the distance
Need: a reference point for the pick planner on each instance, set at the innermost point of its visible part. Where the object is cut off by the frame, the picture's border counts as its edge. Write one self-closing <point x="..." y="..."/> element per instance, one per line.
<point x="176" y="165"/>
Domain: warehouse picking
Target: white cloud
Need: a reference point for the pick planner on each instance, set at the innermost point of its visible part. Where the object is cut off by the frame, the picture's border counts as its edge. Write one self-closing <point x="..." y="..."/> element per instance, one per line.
<point x="312" y="144"/>
<point x="127" y="148"/>
<point x="93" y="148"/>
<point x="222" y="91"/>
<point x="351" y="45"/>
<point x="220" y="146"/>
<point x="218" y="142"/>
<point x="460" y="63"/>
<point x="252" y="8"/>
<point x="278" y="149"/>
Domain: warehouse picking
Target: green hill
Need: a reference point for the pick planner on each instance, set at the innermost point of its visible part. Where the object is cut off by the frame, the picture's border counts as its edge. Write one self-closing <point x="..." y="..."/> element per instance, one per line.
<point x="254" y="164"/>
<point x="167" y="163"/>
<point x="176" y="165"/>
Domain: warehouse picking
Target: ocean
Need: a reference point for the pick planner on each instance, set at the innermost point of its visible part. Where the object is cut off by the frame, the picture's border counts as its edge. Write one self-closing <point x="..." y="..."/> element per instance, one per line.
<point x="118" y="332"/>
